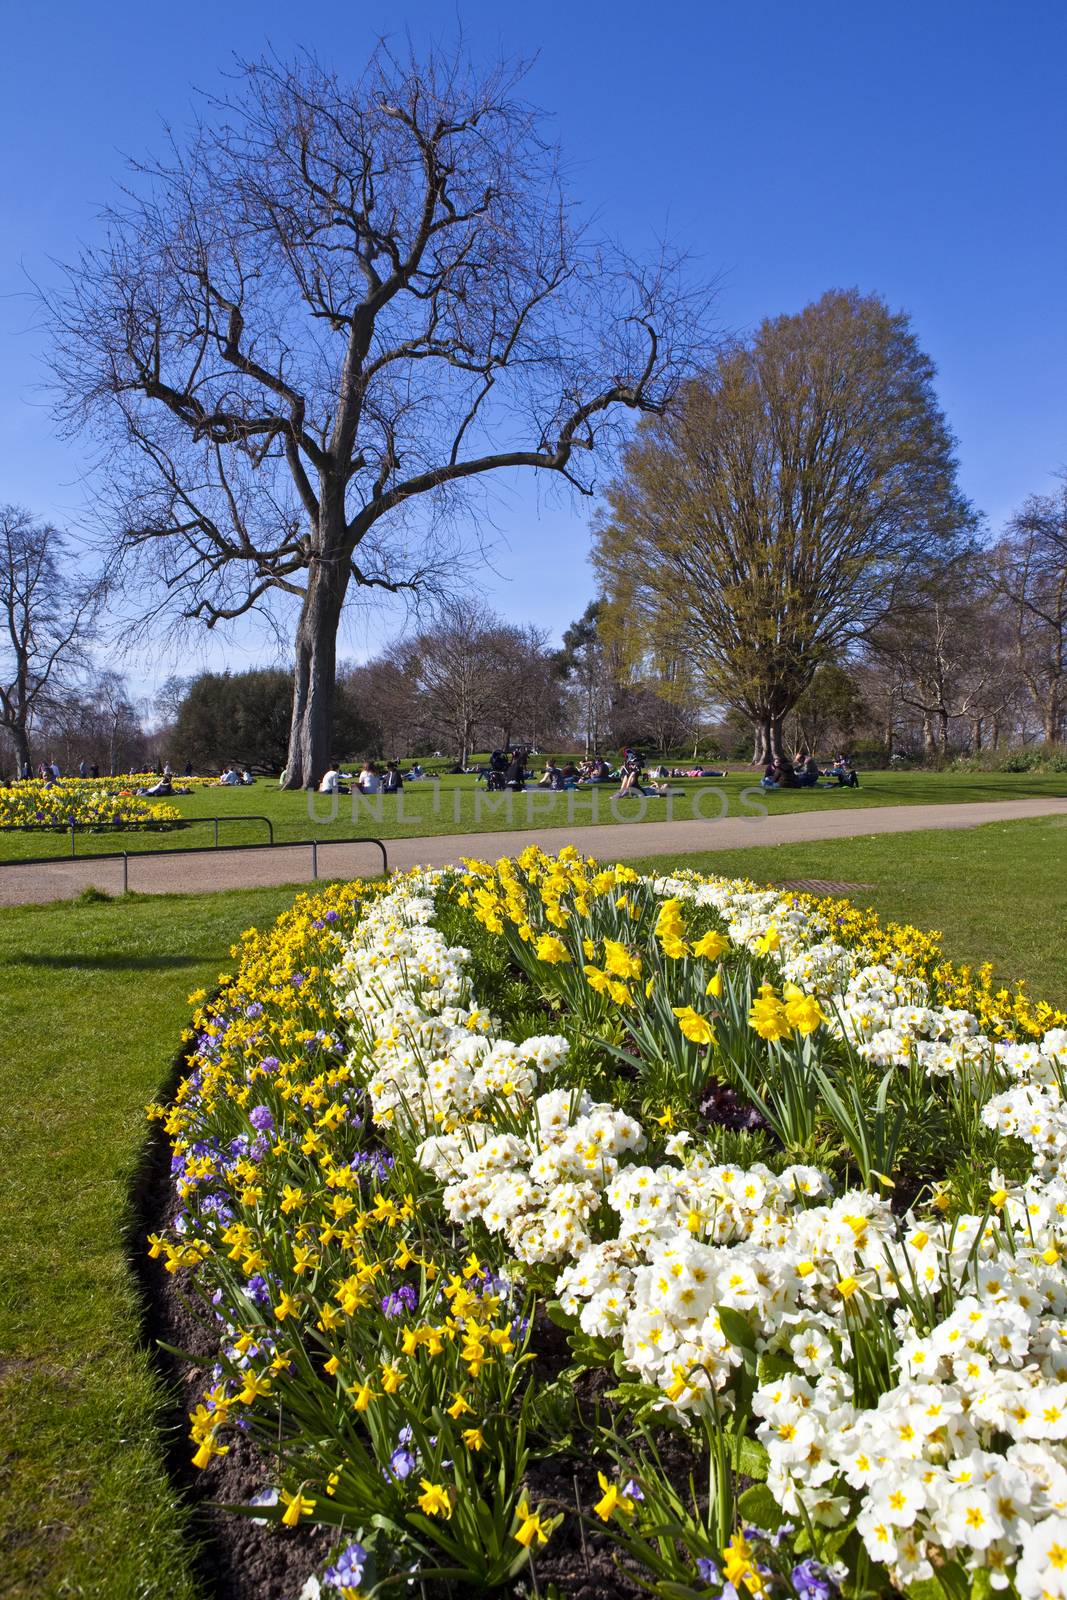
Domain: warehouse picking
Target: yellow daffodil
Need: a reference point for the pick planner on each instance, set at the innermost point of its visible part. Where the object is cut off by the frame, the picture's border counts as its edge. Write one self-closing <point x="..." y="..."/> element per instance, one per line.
<point x="693" y="1026"/>
<point x="612" y="1502"/>
<point x="434" y="1499"/>
<point x="532" y="1528"/>
<point x="296" y="1506"/>
<point x="552" y="950"/>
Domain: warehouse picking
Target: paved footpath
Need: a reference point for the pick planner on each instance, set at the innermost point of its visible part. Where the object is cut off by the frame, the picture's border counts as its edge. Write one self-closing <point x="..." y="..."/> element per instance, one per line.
<point x="222" y="869"/>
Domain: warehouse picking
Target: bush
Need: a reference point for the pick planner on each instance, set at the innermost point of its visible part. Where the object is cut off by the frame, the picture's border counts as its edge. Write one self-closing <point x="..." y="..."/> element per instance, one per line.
<point x="1039" y="758"/>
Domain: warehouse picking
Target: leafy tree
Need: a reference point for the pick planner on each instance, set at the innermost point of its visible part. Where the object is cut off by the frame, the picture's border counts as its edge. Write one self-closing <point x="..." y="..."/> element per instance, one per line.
<point x="774" y="513"/>
<point x="322" y="318"/>
<point x="244" y="717"/>
<point x="583" y="662"/>
<point x="831" y="708"/>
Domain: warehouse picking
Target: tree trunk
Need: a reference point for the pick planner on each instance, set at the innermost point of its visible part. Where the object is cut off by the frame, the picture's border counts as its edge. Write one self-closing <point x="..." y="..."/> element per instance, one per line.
<point x="20" y="739"/>
<point x="929" y="748"/>
<point x="777" y="736"/>
<point x="315" y="674"/>
<point x="761" y="750"/>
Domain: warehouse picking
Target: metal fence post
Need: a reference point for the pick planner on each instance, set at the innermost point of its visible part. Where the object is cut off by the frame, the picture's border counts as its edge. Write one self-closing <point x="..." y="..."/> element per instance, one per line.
<point x="315" y="859"/>
<point x="215" y="820"/>
<point x="125" y="872"/>
<point x="72" y="838"/>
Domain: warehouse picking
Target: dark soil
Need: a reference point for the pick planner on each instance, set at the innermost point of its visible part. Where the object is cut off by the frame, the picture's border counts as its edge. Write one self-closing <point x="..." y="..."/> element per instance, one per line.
<point x="238" y="1558"/>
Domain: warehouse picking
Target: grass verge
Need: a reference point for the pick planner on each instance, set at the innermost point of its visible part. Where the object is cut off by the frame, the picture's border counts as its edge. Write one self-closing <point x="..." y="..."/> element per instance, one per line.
<point x="94" y="998"/>
<point x="460" y="805"/>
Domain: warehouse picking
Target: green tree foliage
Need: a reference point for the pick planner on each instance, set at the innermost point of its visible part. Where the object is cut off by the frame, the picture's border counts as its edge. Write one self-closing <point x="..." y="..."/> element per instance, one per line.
<point x="244" y="717"/>
<point x="773" y="514"/>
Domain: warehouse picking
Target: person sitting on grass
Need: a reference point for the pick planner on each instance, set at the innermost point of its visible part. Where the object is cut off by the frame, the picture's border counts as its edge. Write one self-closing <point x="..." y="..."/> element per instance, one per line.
<point x="370" y="779"/>
<point x="331" y="780"/>
<point x="808" y="771"/>
<point x="552" y="777"/>
<point x="515" y="776"/>
<point x="392" y="780"/>
<point x="779" y="773"/>
<point x="227" y="778"/>
<point x="630" y="773"/>
<point x="845" y="774"/>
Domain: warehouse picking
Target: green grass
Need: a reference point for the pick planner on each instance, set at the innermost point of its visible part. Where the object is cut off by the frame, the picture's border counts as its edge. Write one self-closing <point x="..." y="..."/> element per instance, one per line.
<point x="998" y="892"/>
<point x="93" y="999"/>
<point x="460" y="805"/>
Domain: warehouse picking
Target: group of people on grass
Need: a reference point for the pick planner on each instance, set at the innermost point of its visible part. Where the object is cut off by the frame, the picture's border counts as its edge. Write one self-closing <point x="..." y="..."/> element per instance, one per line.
<point x="370" y="779"/>
<point x="510" y="770"/>
<point x="804" y="772"/>
<point x="233" y="777"/>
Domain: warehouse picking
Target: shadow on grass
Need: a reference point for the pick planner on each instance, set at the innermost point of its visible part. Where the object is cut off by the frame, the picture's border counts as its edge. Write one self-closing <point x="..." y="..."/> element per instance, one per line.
<point x="109" y="963"/>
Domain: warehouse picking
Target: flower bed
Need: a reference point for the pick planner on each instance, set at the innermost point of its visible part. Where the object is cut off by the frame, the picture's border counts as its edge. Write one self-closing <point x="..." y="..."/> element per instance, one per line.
<point x="549" y="1215"/>
<point x="89" y="802"/>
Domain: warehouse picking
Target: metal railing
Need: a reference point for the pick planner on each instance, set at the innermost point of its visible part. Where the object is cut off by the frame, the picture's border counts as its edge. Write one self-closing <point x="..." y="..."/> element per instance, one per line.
<point x="205" y="849"/>
<point x="72" y="828"/>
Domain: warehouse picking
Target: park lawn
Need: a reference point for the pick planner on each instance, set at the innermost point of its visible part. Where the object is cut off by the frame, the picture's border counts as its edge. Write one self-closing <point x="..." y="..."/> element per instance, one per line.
<point x="461" y="805"/>
<point x="997" y="892"/>
<point x="94" y="996"/>
<point x="94" y="999"/>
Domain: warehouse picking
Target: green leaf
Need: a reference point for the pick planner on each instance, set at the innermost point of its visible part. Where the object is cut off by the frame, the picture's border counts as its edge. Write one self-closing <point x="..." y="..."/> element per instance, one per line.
<point x="752" y="1458"/>
<point x="758" y="1505"/>
<point x="737" y="1329"/>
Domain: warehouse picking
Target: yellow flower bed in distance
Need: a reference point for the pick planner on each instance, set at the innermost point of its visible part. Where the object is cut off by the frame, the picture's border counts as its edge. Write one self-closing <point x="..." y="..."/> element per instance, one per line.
<point x="88" y="802"/>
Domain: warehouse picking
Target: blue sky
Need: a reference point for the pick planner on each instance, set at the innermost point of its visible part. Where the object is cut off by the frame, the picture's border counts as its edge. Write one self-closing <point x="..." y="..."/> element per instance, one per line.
<point x="914" y="149"/>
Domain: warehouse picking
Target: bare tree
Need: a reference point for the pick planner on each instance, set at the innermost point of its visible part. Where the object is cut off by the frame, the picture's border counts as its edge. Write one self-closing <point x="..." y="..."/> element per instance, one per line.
<point x="1029" y="571"/>
<point x="527" y="704"/>
<point x="453" y="667"/>
<point x="776" y="511"/>
<point x="946" y="649"/>
<point x="330" y="308"/>
<point x="46" y="620"/>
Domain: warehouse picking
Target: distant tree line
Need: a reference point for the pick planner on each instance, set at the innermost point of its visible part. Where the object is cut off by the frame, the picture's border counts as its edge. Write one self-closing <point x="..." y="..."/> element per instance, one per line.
<point x="970" y="660"/>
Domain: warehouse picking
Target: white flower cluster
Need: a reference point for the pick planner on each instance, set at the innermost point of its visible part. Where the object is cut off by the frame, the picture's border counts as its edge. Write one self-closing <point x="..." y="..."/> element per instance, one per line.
<point x="928" y="1458"/>
<point x="1034" y="1109"/>
<point x="423" y="1044"/>
<point x="964" y="1453"/>
<point x="538" y="1188"/>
